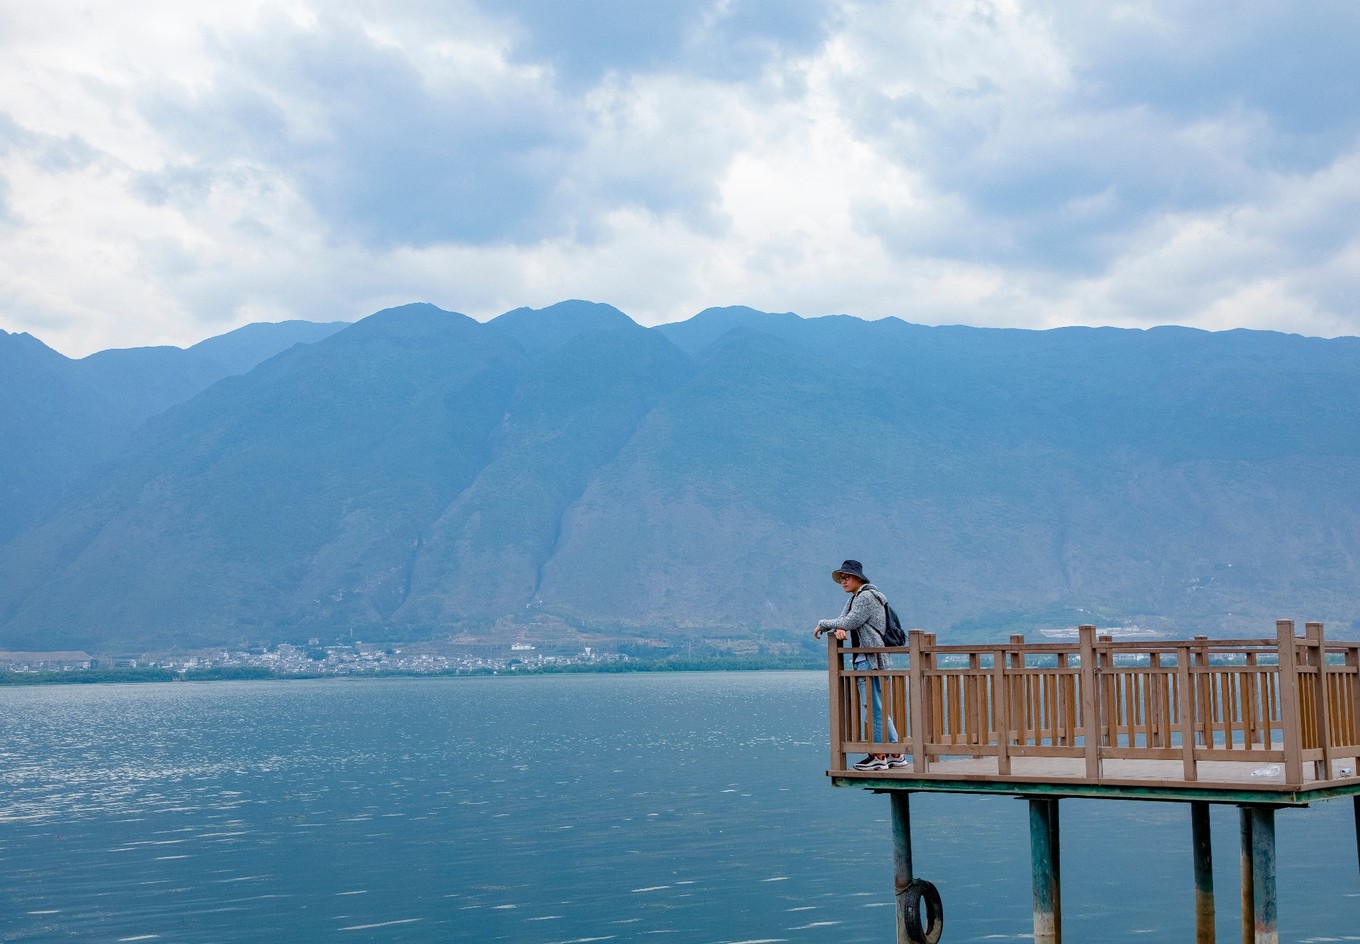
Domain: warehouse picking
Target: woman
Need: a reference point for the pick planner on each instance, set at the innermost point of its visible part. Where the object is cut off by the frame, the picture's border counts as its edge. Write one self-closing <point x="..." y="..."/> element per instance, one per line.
<point x="863" y="621"/>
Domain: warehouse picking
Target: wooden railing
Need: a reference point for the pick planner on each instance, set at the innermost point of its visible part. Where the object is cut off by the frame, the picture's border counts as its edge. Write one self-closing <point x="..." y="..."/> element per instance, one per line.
<point x="1291" y="701"/>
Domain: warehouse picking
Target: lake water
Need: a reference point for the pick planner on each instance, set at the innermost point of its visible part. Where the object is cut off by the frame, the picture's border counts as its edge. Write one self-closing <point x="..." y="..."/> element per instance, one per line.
<point x="667" y="808"/>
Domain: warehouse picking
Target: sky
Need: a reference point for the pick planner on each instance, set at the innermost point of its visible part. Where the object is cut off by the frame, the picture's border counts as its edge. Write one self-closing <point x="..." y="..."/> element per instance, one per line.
<point x="170" y="174"/>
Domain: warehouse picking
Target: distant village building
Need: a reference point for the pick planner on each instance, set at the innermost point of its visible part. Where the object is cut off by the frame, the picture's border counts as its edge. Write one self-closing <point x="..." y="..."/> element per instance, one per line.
<point x="45" y="661"/>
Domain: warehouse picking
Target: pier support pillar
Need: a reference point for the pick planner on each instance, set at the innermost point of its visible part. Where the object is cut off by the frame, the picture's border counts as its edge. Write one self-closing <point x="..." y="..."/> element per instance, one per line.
<point x="1356" y="801"/>
<point x="1044" y="863"/>
<point x="1204" y="872"/>
<point x="902" y="875"/>
<point x="1248" y="884"/>
<point x="1258" y="876"/>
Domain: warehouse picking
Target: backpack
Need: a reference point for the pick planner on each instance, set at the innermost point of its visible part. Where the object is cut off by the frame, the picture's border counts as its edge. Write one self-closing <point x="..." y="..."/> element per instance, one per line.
<point x="893" y="636"/>
<point x="892" y="632"/>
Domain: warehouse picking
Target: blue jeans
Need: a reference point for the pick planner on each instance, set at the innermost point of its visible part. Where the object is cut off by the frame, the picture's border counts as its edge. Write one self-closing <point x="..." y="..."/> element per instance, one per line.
<point x="862" y="663"/>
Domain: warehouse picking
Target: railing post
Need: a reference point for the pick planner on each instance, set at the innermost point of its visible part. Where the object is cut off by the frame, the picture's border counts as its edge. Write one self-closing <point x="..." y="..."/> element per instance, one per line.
<point x="1001" y="707"/>
<point x="1185" y="707"/>
<point x="1203" y="702"/>
<point x="916" y="679"/>
<point x="1322" y="714"/>
<point x="834" y="660"/>
<point x="1090" y="704"/>
<point x="1015" y="689"/>
<point x="1289" y="703"/>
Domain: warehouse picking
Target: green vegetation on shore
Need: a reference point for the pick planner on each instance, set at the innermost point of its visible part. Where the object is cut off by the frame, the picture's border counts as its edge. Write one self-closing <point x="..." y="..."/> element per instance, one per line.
<point x="95" y="676"/>
<point x="246" y="673"/>
<point x="714" y="664"/>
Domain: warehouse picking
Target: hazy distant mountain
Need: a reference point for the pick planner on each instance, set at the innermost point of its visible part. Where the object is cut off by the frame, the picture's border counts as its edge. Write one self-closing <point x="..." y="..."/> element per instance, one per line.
<point x="421" y="474"/>
<point x="238" y="351"/>
<point x="62" y="416"/>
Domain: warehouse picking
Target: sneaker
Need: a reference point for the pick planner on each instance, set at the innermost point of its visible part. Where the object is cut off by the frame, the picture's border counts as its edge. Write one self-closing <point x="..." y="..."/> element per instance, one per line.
<point x="898" y="760"/>
<point x="873" y="762"/>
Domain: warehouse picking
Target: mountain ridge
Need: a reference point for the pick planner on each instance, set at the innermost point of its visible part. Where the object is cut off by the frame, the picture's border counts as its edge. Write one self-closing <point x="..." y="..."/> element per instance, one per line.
<point x="565" y="471"/>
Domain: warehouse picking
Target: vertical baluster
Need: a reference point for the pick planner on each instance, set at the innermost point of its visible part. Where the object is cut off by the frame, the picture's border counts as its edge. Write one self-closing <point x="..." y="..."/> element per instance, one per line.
<point x="1060" y="721"/>
<point x="1251" y="711"/>
<point x="1353" y="696"/>
<point x="975" y="718"/>
<point x="1203" y="695"/>
<point x="1157" y="694"/>
<point x="1322" y="769"/>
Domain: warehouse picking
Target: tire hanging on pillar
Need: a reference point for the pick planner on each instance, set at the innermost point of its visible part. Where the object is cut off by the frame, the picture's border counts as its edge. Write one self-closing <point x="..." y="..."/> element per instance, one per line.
<point x="924" y="912"/>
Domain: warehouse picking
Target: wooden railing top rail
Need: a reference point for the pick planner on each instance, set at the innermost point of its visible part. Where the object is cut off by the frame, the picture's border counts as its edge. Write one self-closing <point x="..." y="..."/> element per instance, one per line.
<point x="1210" y="648"/>
<point x="1074" y="647"/>
<point x="1291" y="699"/>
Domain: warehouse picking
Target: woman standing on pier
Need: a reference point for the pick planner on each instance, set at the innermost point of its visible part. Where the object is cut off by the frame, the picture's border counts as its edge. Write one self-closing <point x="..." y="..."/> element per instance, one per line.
<point x="863" y="621"/>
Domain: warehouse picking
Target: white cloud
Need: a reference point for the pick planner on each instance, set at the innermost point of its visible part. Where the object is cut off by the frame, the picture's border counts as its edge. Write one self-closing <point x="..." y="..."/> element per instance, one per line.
<point x="1285" y="261"/>
<point x="171" y="175"/>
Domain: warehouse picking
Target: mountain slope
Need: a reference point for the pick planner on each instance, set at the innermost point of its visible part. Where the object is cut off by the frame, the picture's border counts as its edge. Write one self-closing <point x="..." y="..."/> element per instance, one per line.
<point x="286" y="495"/>
<point x="420" y="474"/>
<point x="63" y="417"/>
<point x="988" y="478"/>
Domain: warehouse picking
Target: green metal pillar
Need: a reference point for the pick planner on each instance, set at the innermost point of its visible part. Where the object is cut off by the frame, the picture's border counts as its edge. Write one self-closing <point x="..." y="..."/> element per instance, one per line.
<point x="1263" y="874"/>
<point x="1044" y="863"/>
<point x="1248" y="882"/>
<point x="1204" y="872"/>
<point x="902" y="876"/>
<point x="1258" y="876"/>
<point x="1356" y="801"/>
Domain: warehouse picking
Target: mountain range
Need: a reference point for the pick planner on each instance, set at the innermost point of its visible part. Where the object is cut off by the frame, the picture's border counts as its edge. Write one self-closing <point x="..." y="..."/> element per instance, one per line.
<point x="564" y="475"/>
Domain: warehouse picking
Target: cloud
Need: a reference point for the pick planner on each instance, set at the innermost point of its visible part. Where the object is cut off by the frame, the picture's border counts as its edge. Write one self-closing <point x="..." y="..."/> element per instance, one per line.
<point x="994" y="112"/>
<point x="586" y="42"/>
<point x="386" y="154"/>
<point x="1284" y="260"/>
<point x="1294" y="65"/>
<point x="417" y="138"/>
<point x="997" y="162"/>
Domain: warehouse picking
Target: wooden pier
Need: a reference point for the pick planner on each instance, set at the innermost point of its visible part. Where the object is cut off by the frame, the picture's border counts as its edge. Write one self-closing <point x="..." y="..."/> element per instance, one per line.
<point x="1259" y="723"/>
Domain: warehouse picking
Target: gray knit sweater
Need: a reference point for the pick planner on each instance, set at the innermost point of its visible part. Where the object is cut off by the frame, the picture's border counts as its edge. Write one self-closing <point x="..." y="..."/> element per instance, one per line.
<point x="864" y="615"/>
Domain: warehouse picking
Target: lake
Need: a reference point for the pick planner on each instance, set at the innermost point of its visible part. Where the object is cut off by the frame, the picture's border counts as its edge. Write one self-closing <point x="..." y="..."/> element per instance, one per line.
<point x="675" y="808"/>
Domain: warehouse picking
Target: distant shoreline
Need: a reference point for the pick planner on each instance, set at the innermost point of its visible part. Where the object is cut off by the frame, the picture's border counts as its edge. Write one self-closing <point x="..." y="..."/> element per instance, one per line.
<point x="251" y="673"/>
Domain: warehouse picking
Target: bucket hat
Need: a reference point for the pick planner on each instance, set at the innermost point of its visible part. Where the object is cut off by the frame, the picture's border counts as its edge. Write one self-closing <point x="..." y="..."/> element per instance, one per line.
<point x="852" y="567"/>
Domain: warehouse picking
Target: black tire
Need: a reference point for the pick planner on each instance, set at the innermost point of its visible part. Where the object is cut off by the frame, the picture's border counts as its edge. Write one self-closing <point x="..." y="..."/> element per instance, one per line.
<point x="924" y="912"/>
